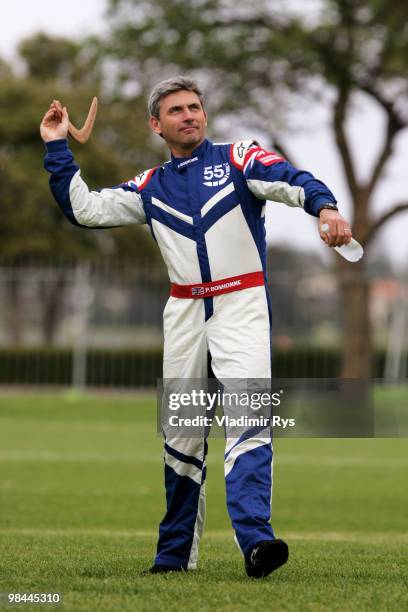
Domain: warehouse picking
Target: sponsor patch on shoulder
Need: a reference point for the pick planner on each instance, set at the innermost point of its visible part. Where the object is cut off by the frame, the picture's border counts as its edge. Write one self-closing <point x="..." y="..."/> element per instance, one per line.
<point x="267" y="158"/>
<point x="141" y="180"/>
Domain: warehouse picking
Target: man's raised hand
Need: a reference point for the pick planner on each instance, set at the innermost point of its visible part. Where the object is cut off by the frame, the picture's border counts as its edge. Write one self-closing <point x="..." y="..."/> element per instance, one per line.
<point x="55" y="122"/>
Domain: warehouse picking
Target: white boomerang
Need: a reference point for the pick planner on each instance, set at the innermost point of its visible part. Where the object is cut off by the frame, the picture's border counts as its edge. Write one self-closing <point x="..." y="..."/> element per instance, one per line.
<point x="83" y="134"/>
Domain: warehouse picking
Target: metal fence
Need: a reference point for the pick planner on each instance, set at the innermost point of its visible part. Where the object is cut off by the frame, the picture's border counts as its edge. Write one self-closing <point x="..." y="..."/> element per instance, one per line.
<point x="75" y="323"/>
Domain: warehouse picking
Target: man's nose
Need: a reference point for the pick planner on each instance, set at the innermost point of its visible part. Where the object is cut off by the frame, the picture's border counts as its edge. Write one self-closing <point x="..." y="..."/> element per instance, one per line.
<point x="187" y="115"/>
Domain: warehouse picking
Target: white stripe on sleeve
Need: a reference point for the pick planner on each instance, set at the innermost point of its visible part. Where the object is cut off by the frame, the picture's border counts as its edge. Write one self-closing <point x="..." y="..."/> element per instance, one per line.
<point x="278" y="191"/>
<point x="106" y="208"/>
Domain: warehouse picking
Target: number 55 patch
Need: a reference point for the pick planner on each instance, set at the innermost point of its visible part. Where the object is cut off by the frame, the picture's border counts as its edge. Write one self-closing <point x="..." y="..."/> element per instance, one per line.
<point x="216" y="175"/>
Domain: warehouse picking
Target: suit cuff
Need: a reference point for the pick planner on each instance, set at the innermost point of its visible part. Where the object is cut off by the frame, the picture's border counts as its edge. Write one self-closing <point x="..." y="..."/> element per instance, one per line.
<point x="56" y="146"/>
<point x="327" y="206"/>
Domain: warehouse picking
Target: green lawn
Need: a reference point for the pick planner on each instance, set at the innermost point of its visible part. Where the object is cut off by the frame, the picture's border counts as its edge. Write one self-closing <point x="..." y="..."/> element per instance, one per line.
<point x="81" y="497"/>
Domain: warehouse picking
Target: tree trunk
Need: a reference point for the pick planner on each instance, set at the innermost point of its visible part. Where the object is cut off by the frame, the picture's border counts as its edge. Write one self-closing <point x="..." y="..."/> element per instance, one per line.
<point x="355" y="316"/>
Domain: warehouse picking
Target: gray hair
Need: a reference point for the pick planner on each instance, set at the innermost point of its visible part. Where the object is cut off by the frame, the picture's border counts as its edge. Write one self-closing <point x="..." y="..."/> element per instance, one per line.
<point x="169" y="86"/>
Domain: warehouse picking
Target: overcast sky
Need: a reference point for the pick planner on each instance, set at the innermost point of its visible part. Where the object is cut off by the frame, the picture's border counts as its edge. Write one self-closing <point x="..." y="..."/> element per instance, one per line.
<point x="20" y="18"/>
<point x="313" y="149"/>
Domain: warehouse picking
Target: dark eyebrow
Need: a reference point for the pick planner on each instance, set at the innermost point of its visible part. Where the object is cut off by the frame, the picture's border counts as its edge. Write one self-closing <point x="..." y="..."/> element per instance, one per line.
<point x="177" y="108"/>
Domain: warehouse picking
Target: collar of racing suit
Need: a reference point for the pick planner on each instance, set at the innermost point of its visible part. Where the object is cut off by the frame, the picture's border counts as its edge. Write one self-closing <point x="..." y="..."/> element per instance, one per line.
<point x="179" y="163"/>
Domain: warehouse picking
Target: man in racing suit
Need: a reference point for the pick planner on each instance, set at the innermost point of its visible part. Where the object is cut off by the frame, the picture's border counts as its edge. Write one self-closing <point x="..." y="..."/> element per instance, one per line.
<point x="205" y="208"/>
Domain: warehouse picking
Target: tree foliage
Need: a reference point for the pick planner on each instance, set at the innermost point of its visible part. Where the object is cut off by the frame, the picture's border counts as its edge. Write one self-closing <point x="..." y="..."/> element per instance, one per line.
<point x="32" y="223"/>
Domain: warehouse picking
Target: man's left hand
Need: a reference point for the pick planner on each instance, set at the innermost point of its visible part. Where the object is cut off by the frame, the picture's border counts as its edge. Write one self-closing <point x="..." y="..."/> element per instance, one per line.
<point x="339" y="229"/>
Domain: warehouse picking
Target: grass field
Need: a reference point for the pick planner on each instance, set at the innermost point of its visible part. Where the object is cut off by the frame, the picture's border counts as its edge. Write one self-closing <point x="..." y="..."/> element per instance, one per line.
<point x="81" y="497"/>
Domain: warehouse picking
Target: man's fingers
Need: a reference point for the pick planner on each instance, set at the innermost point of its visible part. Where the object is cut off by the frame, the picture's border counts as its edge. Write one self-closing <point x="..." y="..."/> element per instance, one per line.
<point x="338" y="236"/>
<point x="344" y="234"/>
<point x="55" y="112"/>
<point x="57" y="109"/>
<point x="335" y="234"/>
<point x="325" y="237"/>
<point x="57" y="104"/>
<point x="49" y="117"/>
<point x="347" y="235"/>
<point x="331" y="234"/>
<point x="334" y="229"/>
<point x="328" y="233"/>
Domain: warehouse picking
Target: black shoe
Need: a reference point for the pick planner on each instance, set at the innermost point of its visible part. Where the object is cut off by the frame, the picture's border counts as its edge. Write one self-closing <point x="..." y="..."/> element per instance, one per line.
<point x="265" y="557"/>
<point x="163" y="569"/>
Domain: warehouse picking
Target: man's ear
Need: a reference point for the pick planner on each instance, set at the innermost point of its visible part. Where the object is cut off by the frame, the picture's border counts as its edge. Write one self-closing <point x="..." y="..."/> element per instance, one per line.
<point x="155" y="125"/>
<point x="206" y="119"/>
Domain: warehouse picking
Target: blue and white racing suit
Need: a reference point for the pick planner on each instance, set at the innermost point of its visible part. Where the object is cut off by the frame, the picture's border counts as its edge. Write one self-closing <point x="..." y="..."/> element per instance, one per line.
<point x="206" y="213"/>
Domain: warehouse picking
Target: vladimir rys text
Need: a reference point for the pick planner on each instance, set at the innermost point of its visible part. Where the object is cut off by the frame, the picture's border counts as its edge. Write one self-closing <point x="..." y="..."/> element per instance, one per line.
<point x="227" y="421"/>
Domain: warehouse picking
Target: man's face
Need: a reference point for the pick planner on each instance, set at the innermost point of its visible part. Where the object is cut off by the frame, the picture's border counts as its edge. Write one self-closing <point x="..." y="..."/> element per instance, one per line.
<point x="182" y="121"/>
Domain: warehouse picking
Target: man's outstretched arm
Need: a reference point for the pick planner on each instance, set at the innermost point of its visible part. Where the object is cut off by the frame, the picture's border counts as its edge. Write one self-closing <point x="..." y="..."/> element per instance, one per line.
<point x="111" y="207"/>
<point x="271" y="177"/>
